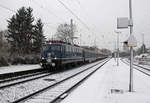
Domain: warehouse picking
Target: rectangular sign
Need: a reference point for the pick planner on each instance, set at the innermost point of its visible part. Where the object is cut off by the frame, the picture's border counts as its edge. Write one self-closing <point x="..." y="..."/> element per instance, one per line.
<point x="122" y="23"/>
<point x="132" y="42"/>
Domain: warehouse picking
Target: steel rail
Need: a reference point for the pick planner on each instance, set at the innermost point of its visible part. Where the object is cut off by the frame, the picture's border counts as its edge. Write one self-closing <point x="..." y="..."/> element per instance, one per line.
<point x="53" y="85"/>
<point x="137" y="68"/>
<point x="77" y="84"/>
<point x="23" y="81"/>
<point x="20" y="77"/>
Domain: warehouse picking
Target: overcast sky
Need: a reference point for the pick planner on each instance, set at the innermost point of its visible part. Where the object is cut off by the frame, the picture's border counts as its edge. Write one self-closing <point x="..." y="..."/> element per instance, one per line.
<point x="99" y="15"/>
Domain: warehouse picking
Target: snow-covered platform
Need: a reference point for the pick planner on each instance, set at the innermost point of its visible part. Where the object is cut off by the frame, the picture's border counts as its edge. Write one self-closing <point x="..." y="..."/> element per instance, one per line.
<point x="110" y="84"/>
<point x="18" y="68"/>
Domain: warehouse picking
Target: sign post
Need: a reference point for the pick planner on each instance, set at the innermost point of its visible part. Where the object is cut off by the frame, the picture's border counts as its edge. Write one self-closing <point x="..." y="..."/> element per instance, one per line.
<point x="131" y="43"/>
<point x="124" y="23"/>
<point x="131" y="48"/>
<point x="118" y="32"/>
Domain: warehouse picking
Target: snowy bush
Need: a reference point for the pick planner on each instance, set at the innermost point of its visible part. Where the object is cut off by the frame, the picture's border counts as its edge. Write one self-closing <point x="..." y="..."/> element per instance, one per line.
<point x="32" y="59"/>
<point x="36" y="60"/>
<point x="28" y="60"/>
<point x="3" y="62"/>
<point x="18" y="60"/>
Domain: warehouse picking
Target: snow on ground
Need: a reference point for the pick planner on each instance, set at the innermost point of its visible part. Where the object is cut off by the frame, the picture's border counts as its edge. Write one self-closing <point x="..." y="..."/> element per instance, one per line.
<point x="137" y="62"/>
<point x="99" y="88"/>
<point x="51" y="94"/>
<point x="7" y="95"/>
<point x="17" y="68"/>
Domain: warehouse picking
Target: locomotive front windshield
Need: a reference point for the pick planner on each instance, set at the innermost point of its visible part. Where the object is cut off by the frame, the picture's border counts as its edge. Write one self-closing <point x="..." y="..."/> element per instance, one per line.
<point x="45" y="47"/>
<point x="55" y="48"/>
<point x="51" y="49"/>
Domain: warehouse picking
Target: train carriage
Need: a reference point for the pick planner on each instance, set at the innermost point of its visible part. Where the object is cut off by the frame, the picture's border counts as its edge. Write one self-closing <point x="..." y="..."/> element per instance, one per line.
<point x="57" y="53"/>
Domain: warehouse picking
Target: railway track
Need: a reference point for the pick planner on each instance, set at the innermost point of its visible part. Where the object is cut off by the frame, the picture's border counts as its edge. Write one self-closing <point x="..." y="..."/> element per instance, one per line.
<point x="60" y="89"/>
<point x="5" y="83"/>
<point x="22" y="79"/>
<point x="19" y="73"/>
<point x="139" y="68"/>
<point x="14" y="93"/>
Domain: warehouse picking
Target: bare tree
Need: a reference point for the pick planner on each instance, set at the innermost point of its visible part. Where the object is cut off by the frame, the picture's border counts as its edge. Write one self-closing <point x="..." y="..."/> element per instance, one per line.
<point x="66" y="32"/>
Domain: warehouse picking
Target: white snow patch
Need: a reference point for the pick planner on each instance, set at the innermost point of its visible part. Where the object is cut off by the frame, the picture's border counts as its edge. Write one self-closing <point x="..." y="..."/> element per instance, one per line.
<point x="97" y="89"/>
<point x="10" y="94"/>
<point x="17" y="68"/>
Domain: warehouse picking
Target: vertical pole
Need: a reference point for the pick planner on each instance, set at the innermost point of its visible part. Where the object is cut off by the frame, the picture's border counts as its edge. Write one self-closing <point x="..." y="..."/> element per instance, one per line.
<point x="131" y="71"/>
<point x="115" y="56"/>
<point x="95" y="42"/>
<point x="80" y="39"/>
<point x="115" y="51"/>
<point x="131" y="49"/>
<point x="118" y="49"/>
<point x="71" y="23"/>
<point x="143" y="44"/>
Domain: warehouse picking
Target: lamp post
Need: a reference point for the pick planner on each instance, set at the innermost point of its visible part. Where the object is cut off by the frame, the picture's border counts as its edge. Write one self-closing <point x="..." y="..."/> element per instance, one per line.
<point x="118" y="32"/>
<point x="131" y="48"/>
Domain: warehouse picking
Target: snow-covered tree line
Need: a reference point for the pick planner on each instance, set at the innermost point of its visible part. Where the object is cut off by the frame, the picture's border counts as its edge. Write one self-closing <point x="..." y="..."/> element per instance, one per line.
<point x="21" y="42"/>
<point x="25" y="36"/>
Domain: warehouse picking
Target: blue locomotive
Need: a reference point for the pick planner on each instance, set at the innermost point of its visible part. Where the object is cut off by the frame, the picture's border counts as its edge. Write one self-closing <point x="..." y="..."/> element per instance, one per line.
<point x="57" y="53"/>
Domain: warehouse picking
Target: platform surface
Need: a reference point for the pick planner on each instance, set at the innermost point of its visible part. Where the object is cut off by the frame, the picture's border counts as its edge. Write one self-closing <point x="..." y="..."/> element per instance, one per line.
<point x="18" y="68"/>
<point x="110" y="84"/>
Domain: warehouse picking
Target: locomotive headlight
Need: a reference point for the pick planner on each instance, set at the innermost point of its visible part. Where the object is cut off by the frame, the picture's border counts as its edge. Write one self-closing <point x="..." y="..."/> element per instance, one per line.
<point x="55" y="58"/>
<point x="42" y="58"/>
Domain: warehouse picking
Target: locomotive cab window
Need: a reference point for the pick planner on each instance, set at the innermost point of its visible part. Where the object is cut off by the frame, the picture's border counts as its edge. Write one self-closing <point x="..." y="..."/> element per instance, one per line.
<point x="45" y="47"/>
<point x="55" y="48"/>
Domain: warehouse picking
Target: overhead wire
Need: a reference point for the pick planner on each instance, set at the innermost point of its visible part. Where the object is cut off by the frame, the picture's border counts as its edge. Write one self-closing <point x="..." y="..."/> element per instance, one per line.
<point x="7" y="8"/>
<point x="4" y="7"/>
<point x="49" y="11"/>
<point x="78" y="2"/>
<point x="86" y="14"/>
<point x="65" y="6"/>
<point x="84" y="24"/>
<point x="84" y="10"/>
